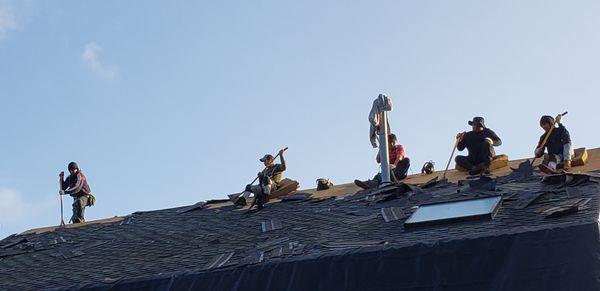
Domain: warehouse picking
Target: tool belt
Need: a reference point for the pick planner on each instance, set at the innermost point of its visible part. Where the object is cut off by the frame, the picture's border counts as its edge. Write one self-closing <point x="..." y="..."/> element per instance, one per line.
<point x="91" y="200"/>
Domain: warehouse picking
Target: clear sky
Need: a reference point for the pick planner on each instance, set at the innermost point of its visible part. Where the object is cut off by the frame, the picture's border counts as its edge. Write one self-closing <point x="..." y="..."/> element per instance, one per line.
<point x="165" y="103"/>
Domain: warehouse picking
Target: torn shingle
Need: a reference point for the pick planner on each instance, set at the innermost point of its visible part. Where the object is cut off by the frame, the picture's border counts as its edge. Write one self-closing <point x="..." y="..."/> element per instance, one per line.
<point x="253" y="258"/>
<point x="527" y="198"/>
<point x="392" y="214"/>
<point x="270" y="225"/>
<point x="219" y="261"/>
<point x="196" y="206"/>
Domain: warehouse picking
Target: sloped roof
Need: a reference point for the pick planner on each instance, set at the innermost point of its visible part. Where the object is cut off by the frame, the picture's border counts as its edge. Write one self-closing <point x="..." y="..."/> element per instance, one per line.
<point x="208" y="239"/>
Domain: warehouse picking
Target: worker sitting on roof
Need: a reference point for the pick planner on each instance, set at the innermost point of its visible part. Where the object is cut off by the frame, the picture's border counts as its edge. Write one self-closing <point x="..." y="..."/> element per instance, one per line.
<point x="480" y="143"/>
<point x="399" y="164"/>
<point x="558" y="145"/>
<point x="269" y="180"/>
<point x="77" y="187"/>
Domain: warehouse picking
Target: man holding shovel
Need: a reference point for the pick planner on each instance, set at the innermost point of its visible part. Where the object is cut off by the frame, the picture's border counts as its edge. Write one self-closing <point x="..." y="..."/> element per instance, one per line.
<point x="77" y="187"/>
<point x="557" y="141"/>
<point x="269" y="179"/>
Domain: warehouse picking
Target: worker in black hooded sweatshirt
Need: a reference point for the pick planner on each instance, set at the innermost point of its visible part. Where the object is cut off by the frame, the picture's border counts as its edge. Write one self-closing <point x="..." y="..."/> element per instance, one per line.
<point x="560" y="150"/>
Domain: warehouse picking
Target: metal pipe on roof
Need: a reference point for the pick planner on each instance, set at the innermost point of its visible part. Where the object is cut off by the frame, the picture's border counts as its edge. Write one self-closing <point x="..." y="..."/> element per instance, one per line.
<point x="383" y="133"/>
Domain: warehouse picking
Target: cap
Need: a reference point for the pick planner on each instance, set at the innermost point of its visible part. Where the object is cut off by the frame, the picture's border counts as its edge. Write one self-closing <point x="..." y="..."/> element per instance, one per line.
<point x="477" y="120"/>
<point x="266" y="157"/>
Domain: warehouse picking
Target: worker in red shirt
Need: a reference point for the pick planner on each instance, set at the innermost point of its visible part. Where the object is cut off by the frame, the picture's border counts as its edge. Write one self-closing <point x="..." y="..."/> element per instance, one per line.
<point x="399" y="164"/>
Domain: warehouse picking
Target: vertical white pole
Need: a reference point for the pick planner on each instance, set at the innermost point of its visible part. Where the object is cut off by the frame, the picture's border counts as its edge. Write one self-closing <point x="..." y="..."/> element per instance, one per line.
<point x="383" y="150"/>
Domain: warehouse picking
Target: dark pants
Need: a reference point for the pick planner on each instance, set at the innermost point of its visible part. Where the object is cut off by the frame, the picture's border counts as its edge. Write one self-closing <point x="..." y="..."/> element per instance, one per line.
<point x="398" y="173"/>
<point x="79" y="204"/>
<point x="484" y="156"/>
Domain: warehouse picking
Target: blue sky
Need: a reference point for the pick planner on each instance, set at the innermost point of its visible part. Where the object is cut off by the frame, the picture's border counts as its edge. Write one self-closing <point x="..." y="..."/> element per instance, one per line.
<point x="166" y="104"/>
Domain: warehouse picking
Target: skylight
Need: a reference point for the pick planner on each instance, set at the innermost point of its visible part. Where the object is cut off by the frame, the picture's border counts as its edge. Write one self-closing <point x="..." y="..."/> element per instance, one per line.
<point x="471" y="209"/>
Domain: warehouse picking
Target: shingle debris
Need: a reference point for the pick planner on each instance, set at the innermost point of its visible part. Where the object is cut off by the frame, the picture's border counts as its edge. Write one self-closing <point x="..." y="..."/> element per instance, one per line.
<point x="219" y="261"/>
<point x="271" y="225"/>
<point x="392" y="214"/>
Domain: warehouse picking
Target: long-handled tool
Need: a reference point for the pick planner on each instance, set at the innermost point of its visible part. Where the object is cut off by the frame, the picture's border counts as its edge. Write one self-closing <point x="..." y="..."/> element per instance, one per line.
<point x="547" y="136"/>
<point x="255" y="200"/>
<point x="450" y="159"/>
<point x="234" y="196"/>
<point x="62" y="219"/>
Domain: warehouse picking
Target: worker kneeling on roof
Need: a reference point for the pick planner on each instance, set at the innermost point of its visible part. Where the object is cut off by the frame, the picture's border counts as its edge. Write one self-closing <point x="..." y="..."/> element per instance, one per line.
<point x="399" y="164"/>
<point x="480" y="143"/>
<point x="269" y="180"/>
<point x="77" y="187"/>
<point x="560" y="150"/>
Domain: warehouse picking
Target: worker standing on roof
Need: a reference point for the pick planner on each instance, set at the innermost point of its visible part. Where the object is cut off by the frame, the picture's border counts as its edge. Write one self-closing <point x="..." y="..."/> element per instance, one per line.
<point x="77" y="187"/>
<point x="269" y="179"/>
<point x="399" y="164"/>
<point x="558" y="145"/>
<point x="480" y="142"/>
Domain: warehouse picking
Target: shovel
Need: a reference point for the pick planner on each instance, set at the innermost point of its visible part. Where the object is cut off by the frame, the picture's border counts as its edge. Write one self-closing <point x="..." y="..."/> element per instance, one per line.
<point x="62" y="219"/>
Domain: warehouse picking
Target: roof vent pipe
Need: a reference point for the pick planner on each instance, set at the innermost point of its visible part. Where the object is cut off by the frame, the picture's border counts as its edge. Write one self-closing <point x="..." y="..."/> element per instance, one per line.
<point x="383" y="133"/>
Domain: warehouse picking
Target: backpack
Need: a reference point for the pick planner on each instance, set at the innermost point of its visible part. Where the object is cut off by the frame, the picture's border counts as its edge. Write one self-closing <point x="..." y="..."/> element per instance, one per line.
<point x="323" y="184"/>
<point x="428" y="168"/>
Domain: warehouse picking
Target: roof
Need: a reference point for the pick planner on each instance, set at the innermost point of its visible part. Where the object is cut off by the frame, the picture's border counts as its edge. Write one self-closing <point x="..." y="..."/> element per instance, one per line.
<point x="203" y="240"/>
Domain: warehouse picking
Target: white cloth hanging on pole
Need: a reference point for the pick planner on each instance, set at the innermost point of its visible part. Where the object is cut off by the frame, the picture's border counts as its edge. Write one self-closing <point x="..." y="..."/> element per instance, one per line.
<point x="381" y="104"/>
<point x="379" y="134"/>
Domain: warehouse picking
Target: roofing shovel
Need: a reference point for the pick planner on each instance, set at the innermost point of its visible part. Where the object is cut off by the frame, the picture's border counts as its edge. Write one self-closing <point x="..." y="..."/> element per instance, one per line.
<point x="62" y="216"/>
<point x="234" y="197"/>
<point x="450" y="159"/>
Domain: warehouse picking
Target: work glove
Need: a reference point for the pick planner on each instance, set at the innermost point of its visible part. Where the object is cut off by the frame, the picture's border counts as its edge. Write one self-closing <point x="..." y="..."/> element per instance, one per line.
<point x="538" y="152"/>
<point x="558" y="119"/>
<point x="248" y="188"/>
<point x="61" y="192"/>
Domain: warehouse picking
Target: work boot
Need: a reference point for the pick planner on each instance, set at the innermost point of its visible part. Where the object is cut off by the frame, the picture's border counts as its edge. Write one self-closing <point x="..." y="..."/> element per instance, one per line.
<point x="362" y="184"/>
<point x="546" y="169"/>
<point x="480" y="168"/>
<point x="240" y="202"/>
<point x="566" y="165"/>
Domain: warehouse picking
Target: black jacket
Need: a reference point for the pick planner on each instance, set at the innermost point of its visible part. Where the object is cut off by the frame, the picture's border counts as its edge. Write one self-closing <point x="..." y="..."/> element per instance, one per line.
<point x="558" y="138"/>
<point x="474" y="139"/>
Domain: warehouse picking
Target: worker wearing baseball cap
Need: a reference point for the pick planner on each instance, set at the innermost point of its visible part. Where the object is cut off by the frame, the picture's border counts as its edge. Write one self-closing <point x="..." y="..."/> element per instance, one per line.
<point x="480" y="143"/>
<point x="269" y="179"/>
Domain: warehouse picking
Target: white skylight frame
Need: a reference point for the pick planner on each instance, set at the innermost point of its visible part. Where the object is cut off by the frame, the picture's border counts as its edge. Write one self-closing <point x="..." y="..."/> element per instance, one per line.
<point x="458" y="210"/>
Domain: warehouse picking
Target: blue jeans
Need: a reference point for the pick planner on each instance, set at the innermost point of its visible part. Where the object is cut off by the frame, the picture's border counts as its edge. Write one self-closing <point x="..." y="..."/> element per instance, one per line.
<point x="79" y="204"/>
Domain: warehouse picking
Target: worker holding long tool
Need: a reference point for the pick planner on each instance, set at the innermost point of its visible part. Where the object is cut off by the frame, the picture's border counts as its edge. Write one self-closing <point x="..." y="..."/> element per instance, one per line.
<point x="269" y="179"/>
<point x="557" y="141"/>
<point x="77" y="187"/>
<point x="480" y="142"/>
